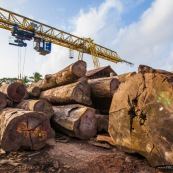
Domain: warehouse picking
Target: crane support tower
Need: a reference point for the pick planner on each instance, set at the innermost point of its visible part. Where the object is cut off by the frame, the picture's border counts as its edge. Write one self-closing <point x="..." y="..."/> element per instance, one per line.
<point x="23" y="28"/>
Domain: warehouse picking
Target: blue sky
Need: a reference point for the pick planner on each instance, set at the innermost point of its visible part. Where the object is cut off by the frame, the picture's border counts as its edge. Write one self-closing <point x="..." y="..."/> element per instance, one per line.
<point x="139" y="30"/>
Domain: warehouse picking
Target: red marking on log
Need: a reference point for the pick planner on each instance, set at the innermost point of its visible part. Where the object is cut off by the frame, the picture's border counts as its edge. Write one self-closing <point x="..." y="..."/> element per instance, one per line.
<point x="45" y="128"/>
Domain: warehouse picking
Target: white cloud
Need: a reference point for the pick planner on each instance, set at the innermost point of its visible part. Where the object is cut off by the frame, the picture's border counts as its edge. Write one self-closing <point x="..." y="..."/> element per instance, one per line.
<point x="149" y="40"/>
<point x="146" y="41"/>
<point x="89" y="24"/>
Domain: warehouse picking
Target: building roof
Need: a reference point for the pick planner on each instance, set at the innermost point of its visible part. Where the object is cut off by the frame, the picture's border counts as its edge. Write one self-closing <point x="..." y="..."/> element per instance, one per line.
<point x="106" y="69"/>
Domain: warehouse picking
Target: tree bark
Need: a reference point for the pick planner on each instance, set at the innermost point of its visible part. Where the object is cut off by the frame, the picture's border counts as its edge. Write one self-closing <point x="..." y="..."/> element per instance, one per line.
<point x="78" y="92"/>
<point x="66" y="76"/>
<point x="75" y="120"/>
<point x="141" y="117"/>
<point x="36" y="105"/>
<point x="147" y="69"/>
<point x="124" y="77"/>
<point x="71" y="73"/>
<point x="15" y="91"/>
<point x="3" y="100"/>
<point x="23" y="129"/>
<point x="45" y="84"/>
<point x="103" y="87"/>
<point x="102" y="90"/>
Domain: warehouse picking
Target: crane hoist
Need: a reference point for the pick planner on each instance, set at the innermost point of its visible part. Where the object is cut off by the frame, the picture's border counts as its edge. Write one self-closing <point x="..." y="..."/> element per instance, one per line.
<point x="23" y="28"/>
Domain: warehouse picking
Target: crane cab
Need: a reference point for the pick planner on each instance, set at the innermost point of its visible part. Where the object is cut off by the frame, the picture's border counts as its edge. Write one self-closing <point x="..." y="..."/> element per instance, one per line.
<point x="42" y="46"/>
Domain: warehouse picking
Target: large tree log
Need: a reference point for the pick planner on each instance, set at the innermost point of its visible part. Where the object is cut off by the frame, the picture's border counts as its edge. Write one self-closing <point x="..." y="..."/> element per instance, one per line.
<point x="75" y="120"/>
<point x="45" y="84"/>
<point x="3" y="100"/>
<point x="78" y="92"/>
<point x="36" y="105"/>
<point x="23" y="129"/>
<point x="103" y="87"/>
<point x="63" y="77"/>
<point x="102" y="90"/>
<point x="33" y="91"/>
<point x="147" y="69"/>
<point x="124" y="77"/>
<point x="70" y="73"/>
<point x="141" y="117"/>
<point x="15" y="91"/>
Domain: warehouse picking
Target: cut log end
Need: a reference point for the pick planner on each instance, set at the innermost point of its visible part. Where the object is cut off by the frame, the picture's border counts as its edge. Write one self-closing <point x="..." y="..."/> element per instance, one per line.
<point x="79" y="68"/>
<point x="82" y="95"/>
<point x="16" y="91"/>
<point x="75" y="120"/>
<point x="34" y="91"/>
<point x="25" y="130"/>
<point x="44" y="106"/>
<point x="141" y="118"/>
<point x="87" y="126"/>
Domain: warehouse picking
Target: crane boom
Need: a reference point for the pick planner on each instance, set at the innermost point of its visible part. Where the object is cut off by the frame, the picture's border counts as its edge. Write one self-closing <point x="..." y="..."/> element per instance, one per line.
<point x="9" y="19"/>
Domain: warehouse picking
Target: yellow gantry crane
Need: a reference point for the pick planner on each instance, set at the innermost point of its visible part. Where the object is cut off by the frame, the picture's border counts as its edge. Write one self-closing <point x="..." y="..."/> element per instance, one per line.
<point x="24" y="28"/>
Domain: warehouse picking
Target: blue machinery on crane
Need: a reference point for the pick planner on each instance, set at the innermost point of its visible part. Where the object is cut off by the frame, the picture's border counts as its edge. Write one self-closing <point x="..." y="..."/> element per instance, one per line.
<point x="19" y="36"/>
<point x="24" y="28"/>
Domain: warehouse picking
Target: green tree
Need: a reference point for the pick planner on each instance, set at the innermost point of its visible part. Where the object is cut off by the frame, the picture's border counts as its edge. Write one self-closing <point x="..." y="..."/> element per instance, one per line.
<point x="26" y="80"/>
<point x="8" y="80"/>
<point x="36" y="77"/>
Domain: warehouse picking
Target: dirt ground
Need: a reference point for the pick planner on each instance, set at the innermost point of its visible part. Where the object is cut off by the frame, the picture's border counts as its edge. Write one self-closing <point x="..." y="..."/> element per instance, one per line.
<point x="70" y="155"/>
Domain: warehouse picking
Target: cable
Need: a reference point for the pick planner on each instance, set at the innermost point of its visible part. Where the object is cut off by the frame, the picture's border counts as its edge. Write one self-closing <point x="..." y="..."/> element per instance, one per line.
<point x="18" y="63"/>
<point x="24" y="62"/>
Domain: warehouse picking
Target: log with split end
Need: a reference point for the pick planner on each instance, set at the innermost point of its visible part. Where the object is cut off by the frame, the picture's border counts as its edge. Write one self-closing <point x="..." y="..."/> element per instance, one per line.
<point x="75" y="120"/>
<point x="23" y="129"/>
<point x="15" y="92"/>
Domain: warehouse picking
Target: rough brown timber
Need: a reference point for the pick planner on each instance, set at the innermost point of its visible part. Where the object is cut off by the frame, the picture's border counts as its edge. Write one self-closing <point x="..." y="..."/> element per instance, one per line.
<point x="141" y="117"/>
<point x="33" y="91"/>
<point x="78" y="92"/>
<point x="23" y="129"/>
<point x="63" y="77"/>
<point x="102" y="90"/>
<point x="75" y="120"/>
<point x="103" y="87"/>
<point x="36" y="105"/>
<point x="3" y="100"/>
<point x="124" y="77"/>
<point x="15" y="92"/>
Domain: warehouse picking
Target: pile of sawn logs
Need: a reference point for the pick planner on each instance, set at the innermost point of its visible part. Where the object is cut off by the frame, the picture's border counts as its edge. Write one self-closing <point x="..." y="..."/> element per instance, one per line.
<point x="66" y="100"/>
<point x="139" y="105"/>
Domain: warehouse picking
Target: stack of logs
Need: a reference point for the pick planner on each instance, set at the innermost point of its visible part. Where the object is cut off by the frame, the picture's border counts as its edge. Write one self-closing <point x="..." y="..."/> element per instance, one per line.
<point x="67" y="100"/>
<point x="135" y="108"/>
<point x="141" y="115"/>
